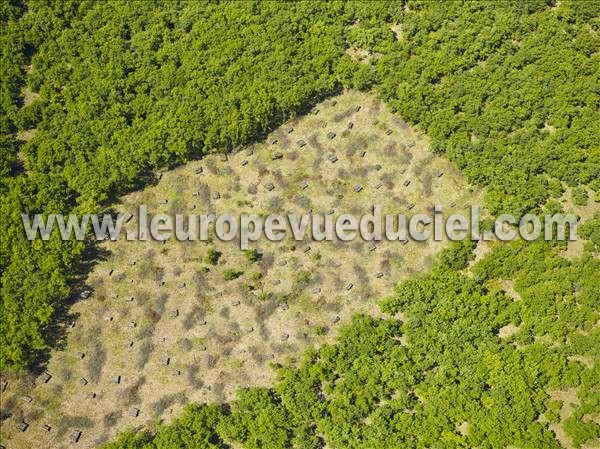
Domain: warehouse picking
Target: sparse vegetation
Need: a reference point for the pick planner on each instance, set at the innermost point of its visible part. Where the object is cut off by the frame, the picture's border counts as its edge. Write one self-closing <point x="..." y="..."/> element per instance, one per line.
<point x="229" y="274"/>
<point x="252" y="255"/>
<point x="212" y="256"/>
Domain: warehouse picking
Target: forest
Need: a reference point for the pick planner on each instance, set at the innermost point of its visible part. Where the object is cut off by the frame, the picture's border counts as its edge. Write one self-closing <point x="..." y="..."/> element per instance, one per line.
<point x="98" y="96"/>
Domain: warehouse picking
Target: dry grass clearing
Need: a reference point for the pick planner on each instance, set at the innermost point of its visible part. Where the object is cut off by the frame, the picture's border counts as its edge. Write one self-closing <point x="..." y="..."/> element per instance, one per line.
<point x="163" y="327"/>
<point x="586" y="212"/>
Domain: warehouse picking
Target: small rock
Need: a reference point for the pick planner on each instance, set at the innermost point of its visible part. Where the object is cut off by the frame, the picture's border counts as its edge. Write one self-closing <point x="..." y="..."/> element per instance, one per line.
<point x="74" y="436"/>
<point x="44" y="378"/>
<point x="85" y="294"/>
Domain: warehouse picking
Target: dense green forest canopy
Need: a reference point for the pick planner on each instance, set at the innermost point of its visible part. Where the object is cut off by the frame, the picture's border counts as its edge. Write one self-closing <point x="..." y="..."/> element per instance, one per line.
<point x="508" y="91"/>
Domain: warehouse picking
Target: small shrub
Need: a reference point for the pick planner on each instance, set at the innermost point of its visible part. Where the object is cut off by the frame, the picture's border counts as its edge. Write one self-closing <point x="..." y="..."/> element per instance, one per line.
<point x="580" y="196"/>
<point x="230" y="274"/>
<point x="252" y="255"/>
<point x="302" y="278"/>
<point x="320" y="330"/>
<point x="212" y="256"/>
<point x="254" y="282"/>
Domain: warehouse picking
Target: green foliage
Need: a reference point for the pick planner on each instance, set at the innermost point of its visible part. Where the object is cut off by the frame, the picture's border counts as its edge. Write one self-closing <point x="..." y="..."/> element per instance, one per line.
<point x="373" y="36"/>
<point x="212" y="256"/>
<point x="580" y="196"/>
<point x="552" y="414"/>
<point x="591" y="231"/>
<point x="252" y="255"/>
<point x="230" y="274"/>
<point x="456" y="257"/>
<point x="302" y="278"/>
<point x="254" y="282"/>
<point x="320" y="330"/>
<point x="258" y="421"/>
